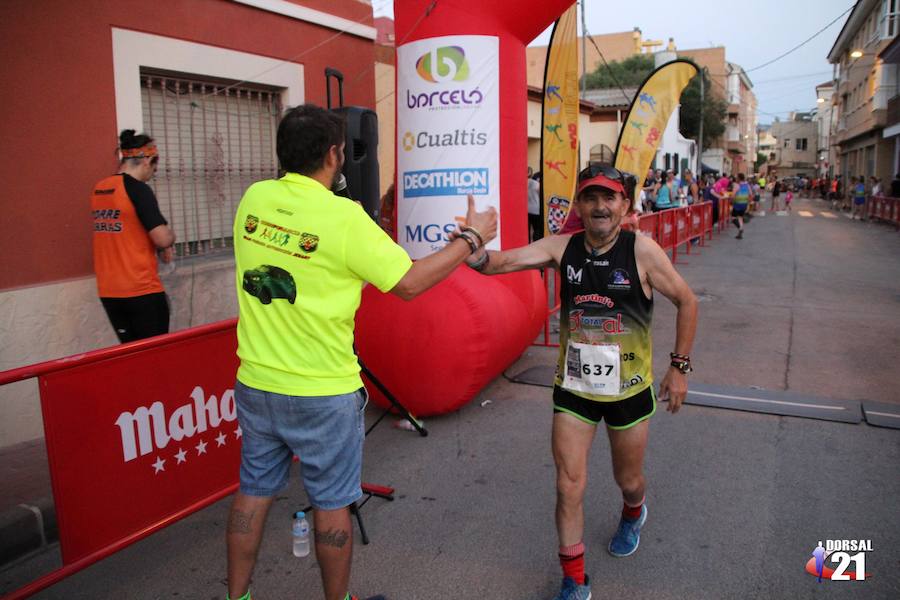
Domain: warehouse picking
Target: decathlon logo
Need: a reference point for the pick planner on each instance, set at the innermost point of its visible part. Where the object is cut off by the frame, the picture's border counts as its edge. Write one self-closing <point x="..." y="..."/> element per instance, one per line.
<point x="440" y="65"/>
<point x="572" y="275"/>
<point x="148" y="428"/>
<point x="445" y="182"/>
<point x="844" y="553"/>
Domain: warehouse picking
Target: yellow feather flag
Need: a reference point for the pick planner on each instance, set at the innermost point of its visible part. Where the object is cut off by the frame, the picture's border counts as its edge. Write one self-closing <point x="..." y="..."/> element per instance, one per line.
<point x="649" y="114"/>
<point x="559" y="123"/>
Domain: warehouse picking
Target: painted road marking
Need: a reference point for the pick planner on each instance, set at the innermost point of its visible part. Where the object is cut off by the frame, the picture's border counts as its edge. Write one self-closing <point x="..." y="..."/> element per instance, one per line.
<point x="783" y="402"/>
<point x="828" y="215"/>
<point x="880" y="414"/>
<point x="848" y="215"/>
<point x="804" y="213"/>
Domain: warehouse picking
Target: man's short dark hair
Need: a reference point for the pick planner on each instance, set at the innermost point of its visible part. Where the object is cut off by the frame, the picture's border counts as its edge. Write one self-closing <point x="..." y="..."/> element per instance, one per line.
<point x="305" y="134"/>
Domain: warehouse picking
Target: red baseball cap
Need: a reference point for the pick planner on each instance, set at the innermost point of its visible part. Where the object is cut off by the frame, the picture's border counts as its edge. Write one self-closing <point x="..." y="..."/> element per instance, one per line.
<point x="603" y="181"/>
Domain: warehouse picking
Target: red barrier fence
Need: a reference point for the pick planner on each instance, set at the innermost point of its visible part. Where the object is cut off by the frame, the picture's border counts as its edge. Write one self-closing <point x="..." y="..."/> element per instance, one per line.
<point x="884" y="209"/>
<point x="127" y="460"/>
<point x="669" y="228"/>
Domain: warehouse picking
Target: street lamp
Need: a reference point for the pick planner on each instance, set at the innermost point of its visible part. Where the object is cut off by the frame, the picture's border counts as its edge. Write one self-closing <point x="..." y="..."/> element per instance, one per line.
<point x="856" y="54"/>
<point x="820" y="100"/>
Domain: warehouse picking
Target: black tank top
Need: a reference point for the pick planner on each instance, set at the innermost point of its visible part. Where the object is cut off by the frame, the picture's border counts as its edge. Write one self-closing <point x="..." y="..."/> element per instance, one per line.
<point x="602" y="302"/>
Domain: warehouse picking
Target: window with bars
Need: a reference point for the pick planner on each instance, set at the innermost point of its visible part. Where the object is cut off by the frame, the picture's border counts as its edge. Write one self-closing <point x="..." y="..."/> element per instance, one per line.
<point x="214" y="140"/>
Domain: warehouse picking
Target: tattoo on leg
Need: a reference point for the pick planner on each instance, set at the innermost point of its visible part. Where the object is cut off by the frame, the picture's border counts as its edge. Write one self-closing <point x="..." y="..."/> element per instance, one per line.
<point x="332" y="537"/>
<point x="239" y="521"/>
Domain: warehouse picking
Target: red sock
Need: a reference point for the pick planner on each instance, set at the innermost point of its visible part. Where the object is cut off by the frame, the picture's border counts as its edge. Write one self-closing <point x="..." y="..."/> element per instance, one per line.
<point x="571" y="559"/>
<point x="632" y="512"/>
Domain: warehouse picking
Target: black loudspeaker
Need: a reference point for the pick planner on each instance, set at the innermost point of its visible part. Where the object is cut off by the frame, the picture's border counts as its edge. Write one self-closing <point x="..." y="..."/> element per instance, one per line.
<point x="361" y="157"/>
<point x="360" y="149"/>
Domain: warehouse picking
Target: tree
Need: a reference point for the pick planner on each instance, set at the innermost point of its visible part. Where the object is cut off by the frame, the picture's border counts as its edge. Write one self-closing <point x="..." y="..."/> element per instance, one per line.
<point x="714" y="111"/>
<point x="630" y="72"/>
<point x="760" y="159"/>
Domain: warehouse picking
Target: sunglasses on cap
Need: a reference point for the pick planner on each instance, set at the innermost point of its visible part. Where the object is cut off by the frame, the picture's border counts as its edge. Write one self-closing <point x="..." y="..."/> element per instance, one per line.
<point x="601" y="175"/>
<point x="595" y="169"/>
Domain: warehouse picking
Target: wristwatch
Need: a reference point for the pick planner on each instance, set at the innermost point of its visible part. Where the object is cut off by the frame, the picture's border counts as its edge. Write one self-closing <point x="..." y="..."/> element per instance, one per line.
<point x="682" y="362"/>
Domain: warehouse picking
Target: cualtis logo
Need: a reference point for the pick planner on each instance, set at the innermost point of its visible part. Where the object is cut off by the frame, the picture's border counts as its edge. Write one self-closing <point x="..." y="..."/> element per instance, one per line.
<point x="440" y="65"/>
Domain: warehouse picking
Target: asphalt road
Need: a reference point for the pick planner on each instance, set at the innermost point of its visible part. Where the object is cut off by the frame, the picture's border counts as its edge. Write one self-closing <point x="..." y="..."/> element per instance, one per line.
<point x="737" y="501"/>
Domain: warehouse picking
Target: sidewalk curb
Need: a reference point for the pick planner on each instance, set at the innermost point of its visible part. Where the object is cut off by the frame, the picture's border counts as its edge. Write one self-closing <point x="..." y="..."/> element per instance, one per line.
<point x="26" y="528"/>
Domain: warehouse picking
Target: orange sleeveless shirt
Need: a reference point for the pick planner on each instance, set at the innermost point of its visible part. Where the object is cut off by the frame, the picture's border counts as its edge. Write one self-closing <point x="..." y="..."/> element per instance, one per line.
<point x="124" y="254"/>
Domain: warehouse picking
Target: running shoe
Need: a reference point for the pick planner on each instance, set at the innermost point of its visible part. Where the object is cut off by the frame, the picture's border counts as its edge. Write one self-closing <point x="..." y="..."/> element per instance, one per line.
<point x="572" y="591"/>
<point x="628" y="536"/>
<point x="740" y="235"/>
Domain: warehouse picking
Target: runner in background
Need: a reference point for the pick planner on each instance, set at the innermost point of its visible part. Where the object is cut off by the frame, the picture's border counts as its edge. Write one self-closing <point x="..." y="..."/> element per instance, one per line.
<point x="742" y="195"/>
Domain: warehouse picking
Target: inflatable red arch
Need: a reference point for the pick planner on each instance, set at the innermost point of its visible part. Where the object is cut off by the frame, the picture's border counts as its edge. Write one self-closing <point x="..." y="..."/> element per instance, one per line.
<point x="438" y="351"/>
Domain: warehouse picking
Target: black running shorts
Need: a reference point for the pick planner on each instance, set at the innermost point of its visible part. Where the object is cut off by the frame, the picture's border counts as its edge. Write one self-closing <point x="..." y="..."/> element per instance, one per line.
<point x="620" y="414"/>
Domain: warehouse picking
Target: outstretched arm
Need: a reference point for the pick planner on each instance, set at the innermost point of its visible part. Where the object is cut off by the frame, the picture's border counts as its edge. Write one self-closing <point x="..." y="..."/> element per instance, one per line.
<point x="434" y="268"/>
<point x="663" y="277"/>
<point x="545" y="252"/>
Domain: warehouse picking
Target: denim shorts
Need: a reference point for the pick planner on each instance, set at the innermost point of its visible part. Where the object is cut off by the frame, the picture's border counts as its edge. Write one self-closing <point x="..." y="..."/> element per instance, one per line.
<point x="325" y="432"/>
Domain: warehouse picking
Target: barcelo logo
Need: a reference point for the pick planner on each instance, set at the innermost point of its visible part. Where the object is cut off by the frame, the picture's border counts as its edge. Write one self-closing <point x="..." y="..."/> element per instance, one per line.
<point x="443" y="64"/>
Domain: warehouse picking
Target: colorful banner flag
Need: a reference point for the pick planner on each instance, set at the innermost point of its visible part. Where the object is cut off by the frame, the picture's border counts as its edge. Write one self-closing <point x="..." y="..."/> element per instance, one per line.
<point x="559" y="123"/>
<point x="649" y="114"/>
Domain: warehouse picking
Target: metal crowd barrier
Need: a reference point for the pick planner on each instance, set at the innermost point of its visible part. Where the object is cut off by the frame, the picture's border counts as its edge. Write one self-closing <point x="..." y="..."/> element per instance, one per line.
<point x="884" y="209"/>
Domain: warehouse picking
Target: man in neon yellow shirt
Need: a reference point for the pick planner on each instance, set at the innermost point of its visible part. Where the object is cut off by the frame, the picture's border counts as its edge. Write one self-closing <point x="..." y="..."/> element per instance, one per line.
<point x="302" y="256"/>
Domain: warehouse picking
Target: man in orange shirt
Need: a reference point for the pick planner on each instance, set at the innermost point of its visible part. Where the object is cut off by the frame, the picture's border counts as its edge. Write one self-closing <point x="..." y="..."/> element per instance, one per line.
<point x="129" y="230"/>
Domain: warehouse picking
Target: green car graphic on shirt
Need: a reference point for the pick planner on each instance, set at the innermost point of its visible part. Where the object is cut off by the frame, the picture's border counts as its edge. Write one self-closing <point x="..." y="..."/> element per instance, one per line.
<point x="267" y="282"/>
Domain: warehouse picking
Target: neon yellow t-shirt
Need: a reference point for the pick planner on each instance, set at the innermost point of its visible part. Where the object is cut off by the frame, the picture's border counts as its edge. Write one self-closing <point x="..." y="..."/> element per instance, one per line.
<point x="301" y="257"/>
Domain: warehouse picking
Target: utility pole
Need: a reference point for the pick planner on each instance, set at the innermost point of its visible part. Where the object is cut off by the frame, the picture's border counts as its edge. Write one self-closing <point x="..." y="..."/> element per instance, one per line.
<point x="700" y="141"/>
<point x="583" y="52"/>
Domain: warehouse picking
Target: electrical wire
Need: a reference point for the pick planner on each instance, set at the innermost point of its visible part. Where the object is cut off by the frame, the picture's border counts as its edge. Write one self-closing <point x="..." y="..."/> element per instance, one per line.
<point x="801" y="44"/>
<point x="608" y="68"/>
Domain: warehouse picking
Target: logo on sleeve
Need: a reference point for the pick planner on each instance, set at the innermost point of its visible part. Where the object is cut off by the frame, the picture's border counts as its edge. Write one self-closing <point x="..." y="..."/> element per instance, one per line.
<point x="251" y="224"/>
<point x="308" y="242"/>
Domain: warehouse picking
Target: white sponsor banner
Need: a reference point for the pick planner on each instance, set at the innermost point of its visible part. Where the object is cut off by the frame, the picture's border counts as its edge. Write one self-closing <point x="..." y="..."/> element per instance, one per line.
<point x="448" y="136"/>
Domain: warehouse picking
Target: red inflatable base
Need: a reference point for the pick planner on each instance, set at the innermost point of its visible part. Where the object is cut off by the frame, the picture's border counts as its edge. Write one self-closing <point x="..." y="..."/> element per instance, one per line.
<point x="438" y="351"/>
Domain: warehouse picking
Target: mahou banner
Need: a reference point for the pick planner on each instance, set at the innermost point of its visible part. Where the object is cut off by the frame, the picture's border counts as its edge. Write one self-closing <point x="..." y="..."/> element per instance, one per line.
<point x="135" y="439"/>
<point x="448" y="129"/>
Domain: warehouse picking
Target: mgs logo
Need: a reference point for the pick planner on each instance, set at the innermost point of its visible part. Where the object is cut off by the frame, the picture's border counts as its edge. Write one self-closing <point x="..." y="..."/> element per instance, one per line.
<point x="308" y="242"/>
<point x="409" y="141"/>
<point x="441" y="65"/>
<point x="251" y="224"/>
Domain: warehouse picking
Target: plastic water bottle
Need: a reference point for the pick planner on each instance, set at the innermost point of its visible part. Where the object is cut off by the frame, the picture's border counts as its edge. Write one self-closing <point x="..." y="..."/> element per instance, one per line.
<point x="300" y="530"/>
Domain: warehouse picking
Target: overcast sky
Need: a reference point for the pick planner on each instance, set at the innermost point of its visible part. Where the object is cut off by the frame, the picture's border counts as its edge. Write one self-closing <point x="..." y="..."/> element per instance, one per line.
<point x="758" y="35"/>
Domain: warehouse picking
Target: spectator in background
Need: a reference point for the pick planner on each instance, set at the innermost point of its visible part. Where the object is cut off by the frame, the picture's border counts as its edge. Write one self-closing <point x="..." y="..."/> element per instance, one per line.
<point x="535" y="224"/>
<point x="651" y="184"/>
<point x="875" y="186"/>
<point x="754" y="203"/>
<point x="689" y="188"/>
<point x="666" y="193"/>
<point x="895" y="186"/>
<point x="776" y="192"/>
<point x="129" y="231"/>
